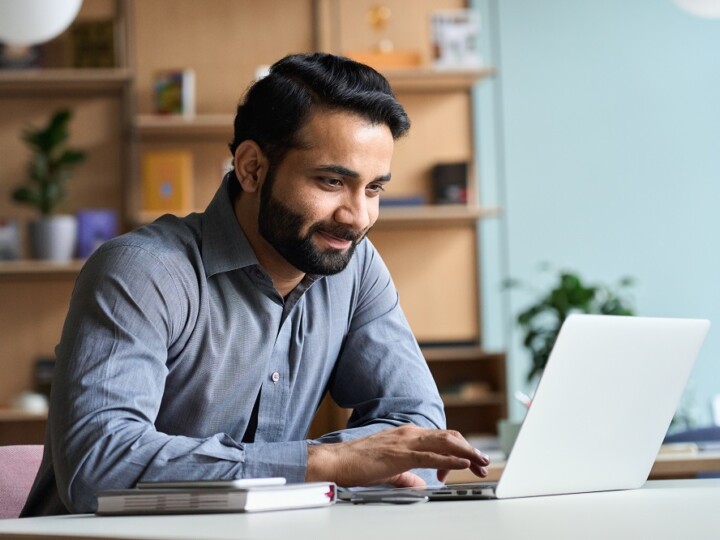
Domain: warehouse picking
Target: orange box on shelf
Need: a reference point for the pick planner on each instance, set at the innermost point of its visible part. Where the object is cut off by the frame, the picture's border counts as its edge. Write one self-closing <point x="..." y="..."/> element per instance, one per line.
<point x="167" y="181"/>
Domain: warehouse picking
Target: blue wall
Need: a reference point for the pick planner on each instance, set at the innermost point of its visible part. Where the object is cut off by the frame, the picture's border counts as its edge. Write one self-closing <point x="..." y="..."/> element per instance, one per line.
<point x="600" y="137"/>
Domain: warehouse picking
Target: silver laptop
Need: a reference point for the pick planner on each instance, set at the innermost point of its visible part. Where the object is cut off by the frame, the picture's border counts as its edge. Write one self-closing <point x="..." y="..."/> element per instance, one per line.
<point x="601" y="409"/>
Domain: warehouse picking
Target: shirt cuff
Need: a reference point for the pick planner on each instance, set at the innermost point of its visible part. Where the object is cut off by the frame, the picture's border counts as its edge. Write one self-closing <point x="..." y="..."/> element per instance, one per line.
<point x="286" y="459"/>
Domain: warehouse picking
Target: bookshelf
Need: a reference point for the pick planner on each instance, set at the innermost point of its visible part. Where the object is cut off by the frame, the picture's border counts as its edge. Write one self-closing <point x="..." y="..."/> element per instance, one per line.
<point x="431" y="250"/>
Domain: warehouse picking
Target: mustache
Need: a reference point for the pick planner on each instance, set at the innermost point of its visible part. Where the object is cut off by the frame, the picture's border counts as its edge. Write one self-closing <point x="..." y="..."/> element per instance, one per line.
<point x="338" y="231"/>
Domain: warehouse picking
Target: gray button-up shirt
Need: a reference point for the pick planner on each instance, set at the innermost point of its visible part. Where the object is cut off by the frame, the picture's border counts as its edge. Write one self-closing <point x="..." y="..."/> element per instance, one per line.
<point x="175" y="331"/>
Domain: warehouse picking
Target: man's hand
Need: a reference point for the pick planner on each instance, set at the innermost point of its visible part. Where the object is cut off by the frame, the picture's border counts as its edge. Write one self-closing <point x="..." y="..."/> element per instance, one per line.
<point x="386" y="457"/>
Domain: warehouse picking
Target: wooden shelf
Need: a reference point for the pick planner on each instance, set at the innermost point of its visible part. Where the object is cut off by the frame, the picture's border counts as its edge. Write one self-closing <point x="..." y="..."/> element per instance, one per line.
<point x="148" y="125"/>
<point x="431" y="80"/>
<point x="434" y="214"/>
<point x="12" y="415"/>
<point x="465" y="352"/>
<point x="389" y="216"/>
<point x="49" y="81"/>
<point x="459" y="401"/>
<point x="25" y="268"/>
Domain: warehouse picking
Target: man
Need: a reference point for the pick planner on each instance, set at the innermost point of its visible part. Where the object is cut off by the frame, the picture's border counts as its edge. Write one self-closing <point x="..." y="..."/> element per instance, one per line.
<point x="200" y="348"/>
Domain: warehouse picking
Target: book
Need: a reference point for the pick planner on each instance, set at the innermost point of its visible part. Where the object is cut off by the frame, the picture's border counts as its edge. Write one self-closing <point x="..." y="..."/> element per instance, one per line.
<point x="174" y="92"/>
<point x="216" y="500"/>
<point x="409" y="200"/>
<point x="167" y="181"/>
<point x="93" y="43"/>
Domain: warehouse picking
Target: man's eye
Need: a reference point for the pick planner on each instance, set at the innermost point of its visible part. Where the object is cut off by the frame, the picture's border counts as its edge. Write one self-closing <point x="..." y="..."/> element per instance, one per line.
<point x="332" y="182"/>
<point x="375" y="188"/>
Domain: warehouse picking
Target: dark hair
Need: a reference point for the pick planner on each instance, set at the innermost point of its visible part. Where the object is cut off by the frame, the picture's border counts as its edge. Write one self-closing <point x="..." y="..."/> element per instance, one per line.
<point x="276" y="107"/>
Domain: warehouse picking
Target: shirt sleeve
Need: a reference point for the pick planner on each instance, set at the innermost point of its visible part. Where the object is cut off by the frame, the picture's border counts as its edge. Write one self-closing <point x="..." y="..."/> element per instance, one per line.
<point x="128" y="309"/>
<point x="381" y="373"/>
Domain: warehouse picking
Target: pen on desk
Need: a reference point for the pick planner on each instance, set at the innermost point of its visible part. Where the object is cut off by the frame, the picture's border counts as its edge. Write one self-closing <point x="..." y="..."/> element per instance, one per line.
<point x="523" y="398"/>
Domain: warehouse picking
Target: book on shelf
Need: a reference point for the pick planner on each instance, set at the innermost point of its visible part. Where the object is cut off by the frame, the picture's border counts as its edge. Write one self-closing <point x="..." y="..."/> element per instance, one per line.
<point x="409" y="200"/>
<point x="174" y="92"/>
<point x="167" y="181"/>
<point x="215" y="500"/>
<point x="93" y="44"/>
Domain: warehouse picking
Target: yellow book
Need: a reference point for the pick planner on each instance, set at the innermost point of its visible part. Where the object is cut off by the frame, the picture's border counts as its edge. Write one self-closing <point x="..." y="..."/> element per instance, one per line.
<point x="167" y="181"/>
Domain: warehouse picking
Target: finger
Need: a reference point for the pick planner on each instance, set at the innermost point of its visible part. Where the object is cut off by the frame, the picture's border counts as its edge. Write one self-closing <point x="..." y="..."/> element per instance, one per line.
<point x="484" y="458"/>
<point x="407" y="479"/>
<point x="451" y="442"/>
<point x="442" y="475"/>
<point x="479" y="471"/>
<point x="431" y="460"/>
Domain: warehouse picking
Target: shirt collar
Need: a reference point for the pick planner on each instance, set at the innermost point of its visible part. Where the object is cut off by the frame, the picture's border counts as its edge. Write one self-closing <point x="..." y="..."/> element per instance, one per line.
<point x="224" y="244"/>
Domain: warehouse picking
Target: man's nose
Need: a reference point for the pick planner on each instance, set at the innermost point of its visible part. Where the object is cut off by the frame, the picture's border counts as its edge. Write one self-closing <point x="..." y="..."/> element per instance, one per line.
<point x="354" y="212"/>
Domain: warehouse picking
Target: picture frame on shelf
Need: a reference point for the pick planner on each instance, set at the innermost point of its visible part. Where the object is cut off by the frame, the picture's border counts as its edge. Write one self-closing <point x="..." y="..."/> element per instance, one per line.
<point x="450" y="183"/>
<point x="455" y="43"/>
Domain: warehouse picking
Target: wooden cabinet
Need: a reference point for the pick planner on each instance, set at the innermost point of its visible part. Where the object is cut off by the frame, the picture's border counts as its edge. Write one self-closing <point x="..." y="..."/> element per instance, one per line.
<point x="431" y="250"/>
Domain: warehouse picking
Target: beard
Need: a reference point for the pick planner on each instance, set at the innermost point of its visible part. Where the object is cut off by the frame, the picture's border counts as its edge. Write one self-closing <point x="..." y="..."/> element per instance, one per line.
<point x="281" y="227"/>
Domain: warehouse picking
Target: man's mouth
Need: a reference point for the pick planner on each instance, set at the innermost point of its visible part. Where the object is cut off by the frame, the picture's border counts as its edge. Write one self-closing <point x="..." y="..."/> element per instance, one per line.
<point x="335" y="242"/>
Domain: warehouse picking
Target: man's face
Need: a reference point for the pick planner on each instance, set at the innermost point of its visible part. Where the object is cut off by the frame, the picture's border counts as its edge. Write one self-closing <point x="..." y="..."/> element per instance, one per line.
<point x="321" y="200"/>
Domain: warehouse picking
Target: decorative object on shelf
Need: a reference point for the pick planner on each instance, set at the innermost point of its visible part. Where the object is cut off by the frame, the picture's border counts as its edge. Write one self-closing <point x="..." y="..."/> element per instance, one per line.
<point x="30" y="403"/>
<point x="9" y="240"/>
<point x="507" y="433"/>
<point x="541" y="321"/>
<point x="384" y="55"/>
<point x="174" y="92"/>
<point x="455" y="38"/>
<point x="93" y="44"/>
<point x="52" y="237"/>
<point x="27" y="22"/>
<point x="19" y="56"/>
<point x="167" y="181"/>
<point x="450" y="183"/>
<point x="469" y="390"/>
<point x="43" y="375"/>
<point x="95" y="226"/>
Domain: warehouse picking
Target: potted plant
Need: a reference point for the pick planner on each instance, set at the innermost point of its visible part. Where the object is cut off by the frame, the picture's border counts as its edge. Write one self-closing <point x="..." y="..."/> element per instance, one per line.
<point x="541" y="321"/>
<point x="51" y="236"/>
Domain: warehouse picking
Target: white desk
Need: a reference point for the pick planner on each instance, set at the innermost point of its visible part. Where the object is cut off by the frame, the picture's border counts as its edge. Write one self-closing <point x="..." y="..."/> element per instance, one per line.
<point x="665" y="509"/>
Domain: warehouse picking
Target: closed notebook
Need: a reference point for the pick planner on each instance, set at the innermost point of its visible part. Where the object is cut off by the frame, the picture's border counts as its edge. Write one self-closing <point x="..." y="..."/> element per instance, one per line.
<point x="209" y="500"/>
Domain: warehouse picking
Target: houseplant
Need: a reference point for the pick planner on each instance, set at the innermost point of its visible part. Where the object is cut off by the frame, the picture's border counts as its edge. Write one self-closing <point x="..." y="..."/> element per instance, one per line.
<point x="50" y="167"/>
<point x="541" y="321"/>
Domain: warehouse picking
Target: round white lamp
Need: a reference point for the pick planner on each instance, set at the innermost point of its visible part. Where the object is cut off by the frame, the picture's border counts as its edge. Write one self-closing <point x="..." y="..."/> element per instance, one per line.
<point x="710" y="9"/>
<point x="28" y="22"/>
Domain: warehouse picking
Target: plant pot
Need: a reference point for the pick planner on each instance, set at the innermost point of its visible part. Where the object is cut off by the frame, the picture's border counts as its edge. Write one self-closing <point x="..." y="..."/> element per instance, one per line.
<point x="53" y="238"/>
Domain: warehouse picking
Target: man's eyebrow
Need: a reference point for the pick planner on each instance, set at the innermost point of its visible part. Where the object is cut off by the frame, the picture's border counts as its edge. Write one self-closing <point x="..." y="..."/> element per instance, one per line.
<point x="349" y="173"/>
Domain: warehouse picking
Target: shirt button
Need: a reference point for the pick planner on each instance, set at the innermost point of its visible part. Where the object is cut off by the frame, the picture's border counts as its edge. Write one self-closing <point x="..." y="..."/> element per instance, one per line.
<point x="275" y="376"/>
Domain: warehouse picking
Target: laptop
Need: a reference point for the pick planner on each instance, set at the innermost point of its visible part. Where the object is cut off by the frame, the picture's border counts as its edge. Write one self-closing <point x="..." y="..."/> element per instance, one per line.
<point x="601" y="410"/>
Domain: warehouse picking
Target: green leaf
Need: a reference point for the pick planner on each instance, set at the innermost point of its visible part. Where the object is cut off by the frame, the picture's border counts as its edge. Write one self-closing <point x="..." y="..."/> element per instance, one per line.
<point x="51" y="163"/>
<point x="541" y="321"/>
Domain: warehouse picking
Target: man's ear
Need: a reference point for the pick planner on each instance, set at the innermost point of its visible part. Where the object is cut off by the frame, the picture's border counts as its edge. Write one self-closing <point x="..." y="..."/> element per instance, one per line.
<point x="250" y="166"/>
